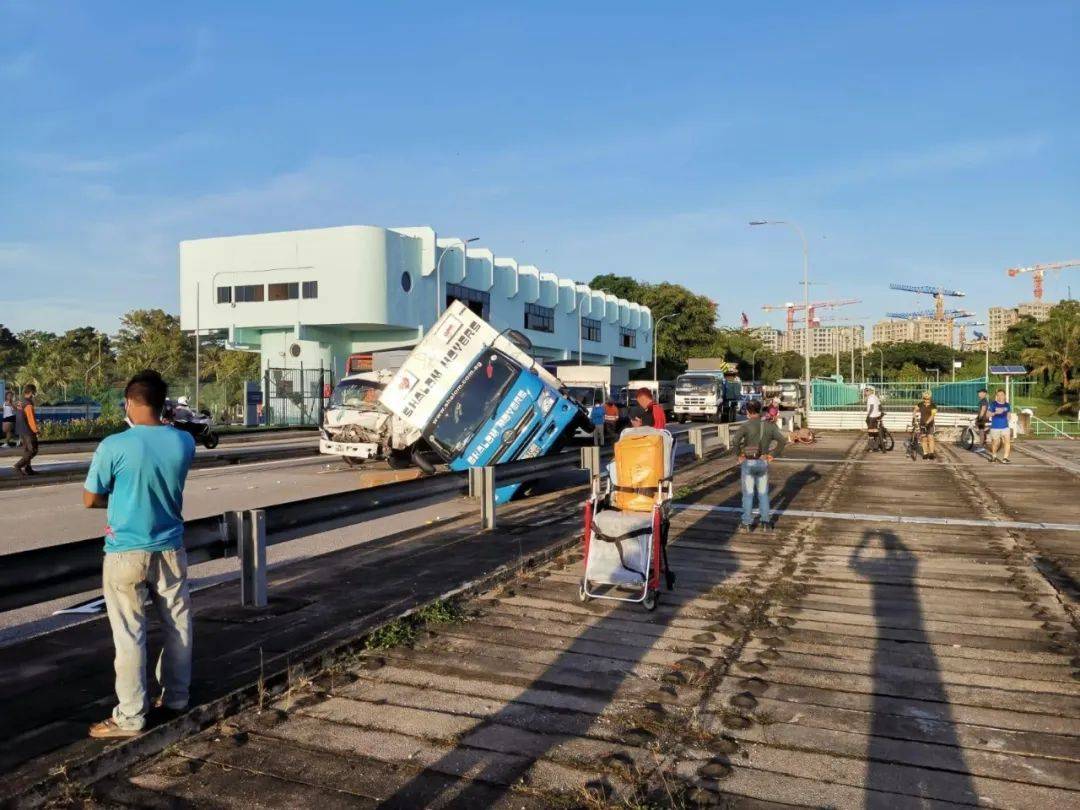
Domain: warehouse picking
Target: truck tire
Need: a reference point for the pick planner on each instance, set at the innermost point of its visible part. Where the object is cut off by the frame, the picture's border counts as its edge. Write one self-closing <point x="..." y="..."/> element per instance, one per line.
<point x="425" y="466"/>
<point x="399" y="459"/>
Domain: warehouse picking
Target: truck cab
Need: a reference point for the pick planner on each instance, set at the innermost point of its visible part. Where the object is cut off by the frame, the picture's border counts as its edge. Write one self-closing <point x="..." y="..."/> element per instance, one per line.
<point x="356" y="427"/>
<point x="712" y="396"/>
<point x="478" y="398"/>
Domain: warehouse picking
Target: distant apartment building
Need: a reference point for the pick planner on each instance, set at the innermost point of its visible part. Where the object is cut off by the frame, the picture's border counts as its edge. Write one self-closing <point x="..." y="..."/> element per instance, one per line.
<point x="827" y="339"/>
<point x="917" y="330"/>
<point x="771" y="337"/>
<point x="1001" y="318"/>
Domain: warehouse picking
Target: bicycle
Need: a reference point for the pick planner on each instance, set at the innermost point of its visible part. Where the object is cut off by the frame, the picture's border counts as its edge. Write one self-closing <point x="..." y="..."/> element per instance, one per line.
<point x="880" y="439"/>
<point x="913" y="446"/>
<point x="971" y="435"/>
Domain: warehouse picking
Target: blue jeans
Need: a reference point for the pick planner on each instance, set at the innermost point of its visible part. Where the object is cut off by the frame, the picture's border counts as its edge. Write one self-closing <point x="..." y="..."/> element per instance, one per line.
<point x="755" y="478"/>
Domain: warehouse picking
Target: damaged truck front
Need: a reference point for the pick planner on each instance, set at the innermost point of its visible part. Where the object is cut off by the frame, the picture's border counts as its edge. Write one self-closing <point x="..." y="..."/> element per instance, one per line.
<point x="356" y="427"/>
<point x="477" y="398"/>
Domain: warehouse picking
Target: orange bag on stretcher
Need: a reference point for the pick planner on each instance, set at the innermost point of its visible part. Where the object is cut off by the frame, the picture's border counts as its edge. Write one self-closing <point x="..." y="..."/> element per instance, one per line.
<point x="639" y="470"/>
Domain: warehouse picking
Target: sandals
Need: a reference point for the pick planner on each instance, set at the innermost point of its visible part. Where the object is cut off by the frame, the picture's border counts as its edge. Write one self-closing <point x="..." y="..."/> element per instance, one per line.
<point x="108" y="730"/>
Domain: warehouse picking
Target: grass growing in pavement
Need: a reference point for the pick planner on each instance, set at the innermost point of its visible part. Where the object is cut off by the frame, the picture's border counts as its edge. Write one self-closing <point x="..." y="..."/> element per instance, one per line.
<point x="404" y="631"/>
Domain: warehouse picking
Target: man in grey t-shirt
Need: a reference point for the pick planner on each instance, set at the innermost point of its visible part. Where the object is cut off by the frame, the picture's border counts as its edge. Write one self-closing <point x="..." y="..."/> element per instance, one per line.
<point x="756" y="442"/>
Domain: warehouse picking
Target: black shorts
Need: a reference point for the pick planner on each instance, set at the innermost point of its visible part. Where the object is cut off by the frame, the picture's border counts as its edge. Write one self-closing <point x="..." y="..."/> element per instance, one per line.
<point x="8" y="420"/>
<point x="872" y="422"/>
<point x="927" y="430"/>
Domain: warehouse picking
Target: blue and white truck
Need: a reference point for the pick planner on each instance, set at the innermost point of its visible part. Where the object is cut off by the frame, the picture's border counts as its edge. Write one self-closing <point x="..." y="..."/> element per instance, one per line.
<point x="477" y="398"/>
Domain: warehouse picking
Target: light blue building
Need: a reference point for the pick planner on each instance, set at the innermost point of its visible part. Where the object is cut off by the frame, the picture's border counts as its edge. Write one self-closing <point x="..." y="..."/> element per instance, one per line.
<point x="311" y="298"/>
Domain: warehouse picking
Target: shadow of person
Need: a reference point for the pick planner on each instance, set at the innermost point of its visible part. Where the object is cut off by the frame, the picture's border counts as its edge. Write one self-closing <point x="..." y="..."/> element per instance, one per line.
<point x="905" y="704"/>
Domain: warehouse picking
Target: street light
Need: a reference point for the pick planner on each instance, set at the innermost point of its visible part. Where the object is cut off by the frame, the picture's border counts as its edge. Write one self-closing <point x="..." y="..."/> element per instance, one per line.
<point x="881" y="369"/>
<point x="438" y="268"/>
<point x="806" y="300"/>
<point x="753" y="366"/>
<point x="655" y="335"/>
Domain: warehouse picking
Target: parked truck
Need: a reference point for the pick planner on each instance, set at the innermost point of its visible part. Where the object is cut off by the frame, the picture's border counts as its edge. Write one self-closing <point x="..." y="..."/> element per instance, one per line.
<point x="711" y="395"/>
<point x="476" y="398"/>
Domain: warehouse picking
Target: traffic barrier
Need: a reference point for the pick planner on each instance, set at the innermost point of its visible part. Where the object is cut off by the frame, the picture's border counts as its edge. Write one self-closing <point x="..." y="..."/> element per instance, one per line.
<point x="706" y="439"/>
<point x="42" y="574"/>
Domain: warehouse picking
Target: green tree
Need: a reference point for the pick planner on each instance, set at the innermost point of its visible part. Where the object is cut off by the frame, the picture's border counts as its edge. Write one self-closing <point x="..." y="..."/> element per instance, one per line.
<point x="1021" y="336"/>
<point x="151" y="338"/>
<point x="691" y="333"/>
<point x="47" y="366"/>
<point x="782" y="366"/>
<point x="231" y="368"/>
<point x="1058" y="350"/>
<point x="909" y="372"/>
<point x="12" y="353"/>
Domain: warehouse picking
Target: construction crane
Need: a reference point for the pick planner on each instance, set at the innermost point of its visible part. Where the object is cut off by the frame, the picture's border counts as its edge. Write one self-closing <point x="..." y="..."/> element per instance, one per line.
<point x="950" y="315"/>
<point x="939" y="294"/>
<point x="814" y="306"/>
<point x="1039" y="270"/>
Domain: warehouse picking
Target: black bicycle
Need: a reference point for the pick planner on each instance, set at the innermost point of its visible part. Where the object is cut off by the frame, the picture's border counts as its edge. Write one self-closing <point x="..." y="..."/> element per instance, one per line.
<point x="913" y="447"/>
<point x="881" y="440"/>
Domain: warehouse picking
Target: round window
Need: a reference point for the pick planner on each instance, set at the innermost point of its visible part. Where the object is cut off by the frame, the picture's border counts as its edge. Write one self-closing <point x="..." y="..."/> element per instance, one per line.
<point x="406" y="282"/>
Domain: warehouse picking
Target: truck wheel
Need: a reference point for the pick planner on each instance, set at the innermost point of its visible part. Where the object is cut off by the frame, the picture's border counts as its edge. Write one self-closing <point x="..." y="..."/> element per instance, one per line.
<point x="399" y="459"/>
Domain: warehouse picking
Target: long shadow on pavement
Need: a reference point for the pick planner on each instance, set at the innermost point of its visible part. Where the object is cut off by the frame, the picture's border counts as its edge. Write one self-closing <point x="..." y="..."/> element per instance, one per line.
<point x="892" y="574"/>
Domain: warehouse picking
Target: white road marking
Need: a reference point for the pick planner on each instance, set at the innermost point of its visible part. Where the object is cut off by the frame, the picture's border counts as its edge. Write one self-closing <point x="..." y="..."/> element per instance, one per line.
<point x="931" y="521"/>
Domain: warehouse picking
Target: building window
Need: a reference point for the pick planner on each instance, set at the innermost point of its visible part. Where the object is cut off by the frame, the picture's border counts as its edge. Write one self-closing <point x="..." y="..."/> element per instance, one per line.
<point x="590" y="329"/>
<point x="478" y="302"/>
<point x="311" y="289"/>
<point x="539" y="319"/>
<point x="288" y="291"/>
<point x="224" y="295"/>
<point x="406" y="281"/>
<point x="628" y="338"/>
<point x="248" y="293"/>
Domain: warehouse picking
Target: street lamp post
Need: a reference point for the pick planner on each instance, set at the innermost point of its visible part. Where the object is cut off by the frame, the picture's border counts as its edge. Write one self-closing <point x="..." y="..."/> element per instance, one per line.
<point x="806" y="301"/>
<point x="881" y="367"/>
<point x="655" y="335"/>
<point x="753" y="366"/>
<point x="438" y="269"/>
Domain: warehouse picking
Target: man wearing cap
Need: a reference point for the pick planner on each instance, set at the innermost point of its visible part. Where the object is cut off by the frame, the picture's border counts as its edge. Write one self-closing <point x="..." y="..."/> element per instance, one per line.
<point x="873" y="418"/>
<point x="926" y="411"/>
<point x="651" y="415"/>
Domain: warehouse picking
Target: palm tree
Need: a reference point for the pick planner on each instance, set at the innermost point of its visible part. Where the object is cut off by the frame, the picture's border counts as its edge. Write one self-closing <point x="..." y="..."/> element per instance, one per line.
<point x="1060" y="349"/>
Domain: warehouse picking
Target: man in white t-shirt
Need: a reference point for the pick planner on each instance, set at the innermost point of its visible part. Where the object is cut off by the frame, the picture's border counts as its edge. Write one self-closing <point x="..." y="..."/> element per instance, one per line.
<point x="873" y="418"/>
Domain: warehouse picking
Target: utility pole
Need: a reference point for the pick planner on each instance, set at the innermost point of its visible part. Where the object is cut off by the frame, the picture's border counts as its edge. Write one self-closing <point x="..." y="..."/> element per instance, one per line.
<point x="806" y="303"/>
<point x="197" y="342"/>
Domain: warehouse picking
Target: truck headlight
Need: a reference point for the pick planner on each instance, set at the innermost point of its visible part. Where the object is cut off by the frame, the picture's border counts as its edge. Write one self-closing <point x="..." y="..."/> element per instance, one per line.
<point x="547" y="400"/>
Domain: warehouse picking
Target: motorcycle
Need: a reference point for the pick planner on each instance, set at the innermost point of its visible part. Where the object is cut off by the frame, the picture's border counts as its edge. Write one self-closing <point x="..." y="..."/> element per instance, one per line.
<point x="199" y="425"/>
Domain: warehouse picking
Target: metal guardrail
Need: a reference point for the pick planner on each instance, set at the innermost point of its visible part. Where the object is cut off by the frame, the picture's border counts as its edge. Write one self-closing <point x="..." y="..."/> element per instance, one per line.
<point x="39" y="575"/>
<point x="706" y="439"/>
<point x="1068" y="428"/>
<point x="42" y="574"/>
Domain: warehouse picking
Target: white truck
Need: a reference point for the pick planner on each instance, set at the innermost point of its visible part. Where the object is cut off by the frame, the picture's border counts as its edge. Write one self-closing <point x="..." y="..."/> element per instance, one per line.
<point x="356" y="427"/>
<point x="711" y="395"/>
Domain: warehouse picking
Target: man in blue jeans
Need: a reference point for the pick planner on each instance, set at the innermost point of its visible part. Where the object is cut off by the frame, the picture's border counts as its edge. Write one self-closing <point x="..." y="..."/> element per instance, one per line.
<point x="139" y="475"/>
<point x="754" y="442"/>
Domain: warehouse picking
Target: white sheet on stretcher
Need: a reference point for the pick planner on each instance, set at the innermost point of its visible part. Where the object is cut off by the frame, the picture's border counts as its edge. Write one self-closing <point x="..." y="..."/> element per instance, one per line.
<point x="604" y="565"/>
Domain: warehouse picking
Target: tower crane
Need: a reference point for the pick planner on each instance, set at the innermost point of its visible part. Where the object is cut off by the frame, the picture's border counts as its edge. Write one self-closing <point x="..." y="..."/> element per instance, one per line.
<point x="939" y="294"/>
<point x="814" y="305"/>
<point x="1039" y="270"/>
<point x="949" y="315"/>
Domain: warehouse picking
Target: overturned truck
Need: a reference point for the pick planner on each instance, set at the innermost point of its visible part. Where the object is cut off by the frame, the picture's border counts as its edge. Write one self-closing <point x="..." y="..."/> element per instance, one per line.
<point x="467" y="394"/>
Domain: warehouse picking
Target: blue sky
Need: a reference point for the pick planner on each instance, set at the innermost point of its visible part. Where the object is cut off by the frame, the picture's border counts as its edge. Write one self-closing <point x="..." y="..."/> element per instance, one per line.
<point x="917" y="142"/>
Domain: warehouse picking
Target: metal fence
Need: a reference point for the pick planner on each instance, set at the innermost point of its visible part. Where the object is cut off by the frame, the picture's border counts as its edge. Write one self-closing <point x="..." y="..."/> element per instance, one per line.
<point x="962" y="395"/>
<point x="295" y="396"/>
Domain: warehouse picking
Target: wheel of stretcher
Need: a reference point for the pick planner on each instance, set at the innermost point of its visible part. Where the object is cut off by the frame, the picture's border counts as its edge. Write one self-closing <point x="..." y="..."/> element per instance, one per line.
<point x="584" y="597"/>
<point x="651" y="598"/>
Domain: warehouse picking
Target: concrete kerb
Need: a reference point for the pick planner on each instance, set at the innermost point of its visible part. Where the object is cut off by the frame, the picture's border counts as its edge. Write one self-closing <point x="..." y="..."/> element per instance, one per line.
<point x="270" y="686"/>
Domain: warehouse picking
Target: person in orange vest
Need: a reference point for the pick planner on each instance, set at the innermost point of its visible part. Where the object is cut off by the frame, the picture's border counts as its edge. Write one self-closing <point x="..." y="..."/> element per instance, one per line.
<point x="611" y="420"/>
<point x="652" y="415"/>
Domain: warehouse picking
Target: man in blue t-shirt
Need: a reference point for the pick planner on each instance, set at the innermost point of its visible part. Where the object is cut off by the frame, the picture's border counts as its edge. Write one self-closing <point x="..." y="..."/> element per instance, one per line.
<point x="1000" y="434"/>
<point x="139" y="475"/>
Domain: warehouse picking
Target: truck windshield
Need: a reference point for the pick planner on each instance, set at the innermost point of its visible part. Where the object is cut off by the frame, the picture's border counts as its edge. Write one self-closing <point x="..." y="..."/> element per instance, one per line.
<point x="696" y="385"/>
<point x="583" y="395"/>
<point x="471" y="403"/>
<point x="354" y="393"/>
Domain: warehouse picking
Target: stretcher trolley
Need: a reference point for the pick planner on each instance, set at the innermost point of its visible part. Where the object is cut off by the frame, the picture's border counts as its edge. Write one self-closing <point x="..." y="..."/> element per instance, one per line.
<point x="627" y="519"/>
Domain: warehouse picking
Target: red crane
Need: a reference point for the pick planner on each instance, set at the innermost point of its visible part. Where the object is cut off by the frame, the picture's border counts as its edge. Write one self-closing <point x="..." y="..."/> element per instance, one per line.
<point x="1039" y="270"/>
<point x="814" y="305"/>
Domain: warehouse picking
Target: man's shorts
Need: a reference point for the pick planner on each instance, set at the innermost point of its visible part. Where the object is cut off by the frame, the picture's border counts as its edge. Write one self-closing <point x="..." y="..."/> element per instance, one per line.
<point x="927" y="430"/>
<point x="872" y="422"/>
<point x="1000" y="433"/>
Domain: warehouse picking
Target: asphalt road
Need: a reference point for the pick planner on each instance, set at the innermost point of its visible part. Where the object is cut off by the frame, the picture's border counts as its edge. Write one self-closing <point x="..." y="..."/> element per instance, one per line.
<point x="52" y="514"/>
